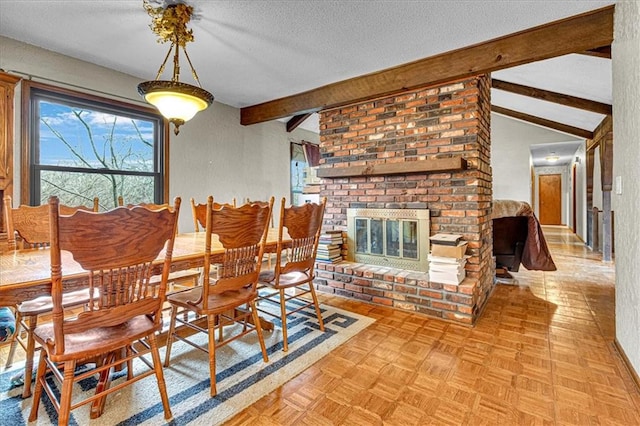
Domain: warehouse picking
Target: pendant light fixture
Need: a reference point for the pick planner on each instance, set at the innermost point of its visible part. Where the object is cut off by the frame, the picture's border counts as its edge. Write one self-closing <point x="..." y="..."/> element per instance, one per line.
<point x="178" y="102"/>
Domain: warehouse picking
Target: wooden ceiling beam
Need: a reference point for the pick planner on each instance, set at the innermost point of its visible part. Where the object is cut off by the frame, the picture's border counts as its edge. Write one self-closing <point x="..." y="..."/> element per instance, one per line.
<point x="575" y="34"/>
<point x="296" y="121"/>
<point x="600" y="52"/>
<point x="558" y="98"/>
<point x="587" y="134"/>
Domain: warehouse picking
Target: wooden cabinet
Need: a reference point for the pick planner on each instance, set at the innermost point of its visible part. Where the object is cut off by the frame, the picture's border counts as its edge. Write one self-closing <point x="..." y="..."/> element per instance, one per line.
<point x="7" y="86"/>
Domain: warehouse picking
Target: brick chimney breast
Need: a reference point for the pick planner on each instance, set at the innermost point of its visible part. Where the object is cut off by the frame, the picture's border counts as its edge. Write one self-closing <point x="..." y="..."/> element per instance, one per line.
<point x="450" y="120"/>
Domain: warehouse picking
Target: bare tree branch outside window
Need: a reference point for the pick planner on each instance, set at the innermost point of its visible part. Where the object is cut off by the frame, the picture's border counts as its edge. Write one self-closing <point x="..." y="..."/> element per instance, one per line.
<point x="85" y="152"/>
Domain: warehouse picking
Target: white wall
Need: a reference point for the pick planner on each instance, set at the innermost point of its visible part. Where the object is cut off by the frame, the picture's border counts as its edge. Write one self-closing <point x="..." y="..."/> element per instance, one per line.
<point x="510" y="155"/>
<point x="510" y="158"/>
<point x="626" y="157"/>
<point x="212" y="155"/>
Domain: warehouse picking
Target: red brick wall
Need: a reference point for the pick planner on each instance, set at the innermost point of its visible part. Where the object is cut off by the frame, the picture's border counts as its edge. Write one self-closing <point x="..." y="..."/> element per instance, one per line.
<point x="435" y="122"/>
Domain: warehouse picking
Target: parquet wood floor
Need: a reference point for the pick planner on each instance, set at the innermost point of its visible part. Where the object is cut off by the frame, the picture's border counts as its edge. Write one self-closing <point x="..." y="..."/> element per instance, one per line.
<point x="541" y="354"/>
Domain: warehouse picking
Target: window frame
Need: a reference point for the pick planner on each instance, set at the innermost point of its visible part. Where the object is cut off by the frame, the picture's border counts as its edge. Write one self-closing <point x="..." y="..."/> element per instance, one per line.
<point x="29" y="146"/>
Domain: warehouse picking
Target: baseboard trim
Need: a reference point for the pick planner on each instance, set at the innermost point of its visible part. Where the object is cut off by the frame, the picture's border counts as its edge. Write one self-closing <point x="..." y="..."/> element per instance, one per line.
<point x="627" y="363"/>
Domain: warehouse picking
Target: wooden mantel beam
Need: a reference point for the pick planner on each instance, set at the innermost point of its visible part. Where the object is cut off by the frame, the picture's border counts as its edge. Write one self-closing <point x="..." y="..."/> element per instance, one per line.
<point x="576" y="131"/>
<point x="558" y="98"/>
<point x="575" y="34"/>
<point x="432" y="165"/>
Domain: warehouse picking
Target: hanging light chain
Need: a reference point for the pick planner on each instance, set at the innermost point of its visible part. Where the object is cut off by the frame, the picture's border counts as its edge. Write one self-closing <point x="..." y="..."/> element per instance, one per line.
<point x="193" y="70"/>
<point x="161" y="70"/>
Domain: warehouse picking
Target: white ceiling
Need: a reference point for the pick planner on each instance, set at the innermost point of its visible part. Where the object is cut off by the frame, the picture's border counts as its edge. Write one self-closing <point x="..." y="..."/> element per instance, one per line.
<point x="248" y="52"/>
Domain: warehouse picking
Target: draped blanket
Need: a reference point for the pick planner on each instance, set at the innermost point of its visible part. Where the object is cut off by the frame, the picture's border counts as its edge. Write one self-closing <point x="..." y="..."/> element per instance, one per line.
<point x="535" y="256"/>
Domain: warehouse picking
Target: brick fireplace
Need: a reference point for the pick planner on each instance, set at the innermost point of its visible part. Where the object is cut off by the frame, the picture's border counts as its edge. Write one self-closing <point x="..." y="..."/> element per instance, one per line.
<point x="427" y="148"/>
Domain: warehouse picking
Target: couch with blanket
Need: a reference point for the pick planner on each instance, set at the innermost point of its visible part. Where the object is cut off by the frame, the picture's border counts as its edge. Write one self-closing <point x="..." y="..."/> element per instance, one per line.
<point x="518" y="238"/>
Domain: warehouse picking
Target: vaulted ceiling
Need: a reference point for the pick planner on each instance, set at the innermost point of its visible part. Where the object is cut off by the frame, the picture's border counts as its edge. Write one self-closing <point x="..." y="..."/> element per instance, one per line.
<point x="251" y="52"/>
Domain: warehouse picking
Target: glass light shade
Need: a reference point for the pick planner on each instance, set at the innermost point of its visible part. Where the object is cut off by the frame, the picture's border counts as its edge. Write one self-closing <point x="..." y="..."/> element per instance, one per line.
<point x="177" y="102"/>
<point x="176" y="105"/>
<point x="552" y="158"/>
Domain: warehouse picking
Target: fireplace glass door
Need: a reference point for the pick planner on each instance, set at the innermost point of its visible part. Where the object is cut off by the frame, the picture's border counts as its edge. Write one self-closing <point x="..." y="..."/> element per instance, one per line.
<point x="397" y="238"/>
<point x="389" y="238"/>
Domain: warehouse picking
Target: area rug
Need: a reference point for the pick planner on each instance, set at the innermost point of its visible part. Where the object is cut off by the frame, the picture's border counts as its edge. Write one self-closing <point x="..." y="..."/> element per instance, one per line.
<point x="242" y="377"/>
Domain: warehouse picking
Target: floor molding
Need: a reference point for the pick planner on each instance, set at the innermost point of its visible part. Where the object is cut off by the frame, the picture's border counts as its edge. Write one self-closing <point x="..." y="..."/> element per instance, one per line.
<point x="627" y="363"/>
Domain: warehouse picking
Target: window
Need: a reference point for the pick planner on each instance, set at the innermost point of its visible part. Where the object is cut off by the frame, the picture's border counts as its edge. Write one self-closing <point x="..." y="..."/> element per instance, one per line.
<point x="80" y="146"/>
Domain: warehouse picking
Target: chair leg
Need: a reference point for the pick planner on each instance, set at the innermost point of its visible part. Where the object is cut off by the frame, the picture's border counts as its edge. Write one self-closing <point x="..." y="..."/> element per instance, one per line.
<point x="31" y="349"/>
<point x="35" y="404"/>
<point x="172" y="329"/>
<point x="14" y="339"/>
<point x="211" y="328"/>
<point x="157" y="367"/>
<point x="283" y="318"/>
<point x="256" y="321"/>
<point x="66" y="393"/>
<point x="218" y="321"/>
<point x="129" y="352"/>
<point x="246" y="318"/>
<point x="317" y="306"/>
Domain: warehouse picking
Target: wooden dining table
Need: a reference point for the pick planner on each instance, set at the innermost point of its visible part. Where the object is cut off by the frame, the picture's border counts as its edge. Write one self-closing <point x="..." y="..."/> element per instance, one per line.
<point x="26" y="274"/>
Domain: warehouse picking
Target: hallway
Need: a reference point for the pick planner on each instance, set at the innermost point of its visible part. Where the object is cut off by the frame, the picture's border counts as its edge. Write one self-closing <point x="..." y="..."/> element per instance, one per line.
<point x="542" y="352"/>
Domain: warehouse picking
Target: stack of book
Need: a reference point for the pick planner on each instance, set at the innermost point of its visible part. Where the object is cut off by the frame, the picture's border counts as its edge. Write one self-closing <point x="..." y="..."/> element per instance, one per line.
<point x="330" y="247"/>
<point x="447" y="259"/>
<point x="446" y="270"/>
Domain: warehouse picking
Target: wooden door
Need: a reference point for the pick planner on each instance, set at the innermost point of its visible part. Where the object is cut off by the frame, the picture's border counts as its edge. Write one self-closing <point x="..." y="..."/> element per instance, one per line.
<point x="550" y="196"/>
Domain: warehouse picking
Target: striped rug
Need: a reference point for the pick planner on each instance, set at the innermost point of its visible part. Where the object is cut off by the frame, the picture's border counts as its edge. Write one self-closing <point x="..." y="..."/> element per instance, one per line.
<point x="242" y="377"/>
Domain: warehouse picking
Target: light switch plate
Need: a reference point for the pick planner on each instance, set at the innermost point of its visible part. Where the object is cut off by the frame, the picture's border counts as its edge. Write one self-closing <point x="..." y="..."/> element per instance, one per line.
<point x="618" y="185"/>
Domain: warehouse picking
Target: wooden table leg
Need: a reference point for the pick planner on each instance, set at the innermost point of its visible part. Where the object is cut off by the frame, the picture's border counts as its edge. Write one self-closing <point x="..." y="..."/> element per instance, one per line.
<point x="265" y="324"/>
<point x="104" y="381"/>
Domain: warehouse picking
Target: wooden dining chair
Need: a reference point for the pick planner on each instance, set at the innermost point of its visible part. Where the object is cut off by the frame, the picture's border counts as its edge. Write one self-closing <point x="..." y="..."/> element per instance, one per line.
<point x="296" y="270"/>
<point x="242" y="232"/>
<point x="119" y="250"/>
<point x="28" y="227"/>
<point x="270" y="254"/>
<point x="152" y="206"/>
<point x="199" y="213"/>
<point x="178" y="279"/>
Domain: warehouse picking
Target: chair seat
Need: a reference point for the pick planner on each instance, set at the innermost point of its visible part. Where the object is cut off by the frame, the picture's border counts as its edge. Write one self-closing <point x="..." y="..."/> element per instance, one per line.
<point x="222" y="302"/>
<point x="44" y="304"/>
<point x="99" y="340"/>
<point x="292" y="279"/>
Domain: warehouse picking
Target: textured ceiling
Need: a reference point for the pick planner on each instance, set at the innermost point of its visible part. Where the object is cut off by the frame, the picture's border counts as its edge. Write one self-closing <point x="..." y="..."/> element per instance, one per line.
<point x="248" y="52"/>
